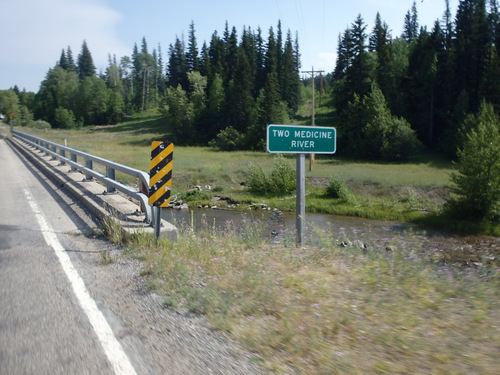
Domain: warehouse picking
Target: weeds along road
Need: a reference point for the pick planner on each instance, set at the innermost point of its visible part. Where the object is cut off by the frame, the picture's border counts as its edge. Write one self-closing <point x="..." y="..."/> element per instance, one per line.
<point x="65" y="311"/>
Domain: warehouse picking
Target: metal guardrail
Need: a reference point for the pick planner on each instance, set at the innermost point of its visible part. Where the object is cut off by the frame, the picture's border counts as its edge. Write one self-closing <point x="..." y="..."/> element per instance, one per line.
<point x="59" y="151"/>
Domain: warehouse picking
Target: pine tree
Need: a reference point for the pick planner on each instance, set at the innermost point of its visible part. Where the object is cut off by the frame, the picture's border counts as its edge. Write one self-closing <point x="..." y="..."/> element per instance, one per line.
<point x="472" y="49"/>
<point x="205" y="61"/>
<point x="239" y="95"/>
<point x="192" y="59"/>
<point x="231" y="55"/>
<point x="290" y="81"/>
<point x="216" y="53"/>
<point x="63" y="61"/>
<point x="177" y="66"/>
<point x="381" y="44"/>
<point x="344" y="55"/>
<point x="86" y="67"/>
<point x="477" y="180"/>
<point x="272" y="52"/>
<point x="359" y="72"/>
<point x="410" y="27"/>
<point x="70" y="61"/>
<point x="260" y="62"/>
<point x="420" y="86"/>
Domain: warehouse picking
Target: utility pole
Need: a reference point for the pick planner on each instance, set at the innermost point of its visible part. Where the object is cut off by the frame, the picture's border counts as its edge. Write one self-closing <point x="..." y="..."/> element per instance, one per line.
<point x="312" y="72"/>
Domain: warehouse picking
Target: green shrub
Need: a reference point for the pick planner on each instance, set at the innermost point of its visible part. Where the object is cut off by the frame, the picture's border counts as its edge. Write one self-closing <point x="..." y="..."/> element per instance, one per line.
<point x="477" y="179"/>
<point x="228" y="139"/>
<point x="40" y="124"/>
<point x="257" y="181"/>
<point x="283" y="179"/>
<point x="338" y="189"/>
<point x="280" y="182"/>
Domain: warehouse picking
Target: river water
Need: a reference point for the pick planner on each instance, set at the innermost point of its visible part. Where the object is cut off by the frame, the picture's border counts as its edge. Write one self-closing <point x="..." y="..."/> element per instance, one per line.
<point x="375" y="235"/>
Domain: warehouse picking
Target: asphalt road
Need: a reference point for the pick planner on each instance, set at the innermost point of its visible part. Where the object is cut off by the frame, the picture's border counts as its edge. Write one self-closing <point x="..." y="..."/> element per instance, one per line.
<point x="46" y="326"/>
<point x="64" y="311"/>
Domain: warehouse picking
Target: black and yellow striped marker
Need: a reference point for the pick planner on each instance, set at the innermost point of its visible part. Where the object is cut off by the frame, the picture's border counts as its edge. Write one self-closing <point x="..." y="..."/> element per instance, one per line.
<point x="160" y="175"/>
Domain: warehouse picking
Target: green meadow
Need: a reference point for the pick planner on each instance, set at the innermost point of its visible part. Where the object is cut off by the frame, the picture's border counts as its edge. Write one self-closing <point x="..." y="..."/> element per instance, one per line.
<point x="409" y="191"/>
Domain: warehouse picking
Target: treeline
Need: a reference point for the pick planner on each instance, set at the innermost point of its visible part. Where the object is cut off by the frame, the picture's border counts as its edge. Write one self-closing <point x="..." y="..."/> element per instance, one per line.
<point x="391" y="96"/>
<point x="225" y="92"/>
<point x="394" y="94"/>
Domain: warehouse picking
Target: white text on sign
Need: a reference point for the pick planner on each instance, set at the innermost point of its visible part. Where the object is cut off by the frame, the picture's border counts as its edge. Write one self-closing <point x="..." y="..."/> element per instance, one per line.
<point x="304" y="134"/>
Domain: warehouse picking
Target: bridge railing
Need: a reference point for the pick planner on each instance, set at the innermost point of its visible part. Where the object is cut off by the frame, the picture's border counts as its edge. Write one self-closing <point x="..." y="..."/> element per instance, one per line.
<point x="61" y="152"/>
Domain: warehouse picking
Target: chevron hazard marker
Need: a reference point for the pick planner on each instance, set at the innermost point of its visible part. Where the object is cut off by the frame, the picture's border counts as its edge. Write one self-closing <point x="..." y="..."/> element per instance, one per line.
<point x="160" y="175"/>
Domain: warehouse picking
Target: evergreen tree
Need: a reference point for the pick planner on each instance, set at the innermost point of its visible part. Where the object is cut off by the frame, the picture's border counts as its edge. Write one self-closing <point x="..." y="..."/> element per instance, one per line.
<point x="205" y="61"/>
<point x="177" y="66"/>
<point x="290" y="81"/>
<point x="249" y="46"/>
<point x="410" y="27"/>
<point x="231" y="55"/>
<point x="477" y="180"/>
<point x="85" y="65"/>
<point x="192" y="58"/>
<point x="344" y="55"/>
<point x="444" y="84"/>
<point x="472" y="50"/>
<point x="71" y="66"/>
<point x="63" y="61"/>
<point x="260" y="62"/>
<point x="359" y="72"/>
<point x="273" y="110"/>
<point x="239" y="98"/>
<point x="216" y="54"/>
<point x="420" y="86"/>
<point x="493" y="86"/>
<point x="381" y="45"/>
<point x="272" y="53"/>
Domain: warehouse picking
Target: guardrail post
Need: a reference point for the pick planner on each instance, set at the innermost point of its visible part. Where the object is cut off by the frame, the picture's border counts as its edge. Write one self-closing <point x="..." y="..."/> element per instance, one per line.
<point x="73" y="158"/>
<point x="88" y="164"/>
<point x="63" y="154"/>
<point x="54" y="150"/>
<point x="110" y="172"/>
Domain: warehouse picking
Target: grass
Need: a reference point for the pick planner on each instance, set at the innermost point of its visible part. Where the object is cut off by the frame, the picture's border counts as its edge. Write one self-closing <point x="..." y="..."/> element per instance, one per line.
<point x="386" y="190"/>
<point x="323" y="309"/>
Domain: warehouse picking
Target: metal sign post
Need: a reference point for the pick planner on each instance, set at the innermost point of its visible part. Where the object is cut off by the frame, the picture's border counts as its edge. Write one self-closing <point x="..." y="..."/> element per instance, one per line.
<point x="301" y="199"/>
<point x="160" y="180"/>
<point x="301" y="140"/>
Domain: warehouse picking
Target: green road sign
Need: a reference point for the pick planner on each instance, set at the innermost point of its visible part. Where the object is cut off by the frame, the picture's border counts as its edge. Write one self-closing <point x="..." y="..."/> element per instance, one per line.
<point x="301" y="139"/>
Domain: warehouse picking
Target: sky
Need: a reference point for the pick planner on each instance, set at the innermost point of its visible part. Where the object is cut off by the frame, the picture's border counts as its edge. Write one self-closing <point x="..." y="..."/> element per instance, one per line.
<point x="35" y="32"/>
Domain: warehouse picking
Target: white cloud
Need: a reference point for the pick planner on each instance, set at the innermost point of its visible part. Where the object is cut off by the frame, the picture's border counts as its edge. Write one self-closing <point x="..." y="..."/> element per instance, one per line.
<point x="35" y="32"/>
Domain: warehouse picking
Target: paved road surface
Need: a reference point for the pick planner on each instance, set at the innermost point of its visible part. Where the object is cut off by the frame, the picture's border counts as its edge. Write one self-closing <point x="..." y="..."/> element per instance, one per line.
<point x="63" y="312"/>
<point x="46" y="320"/>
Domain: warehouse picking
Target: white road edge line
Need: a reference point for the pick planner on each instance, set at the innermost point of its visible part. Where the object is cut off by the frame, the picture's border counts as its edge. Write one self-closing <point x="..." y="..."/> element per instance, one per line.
<point x="113" y="349"/>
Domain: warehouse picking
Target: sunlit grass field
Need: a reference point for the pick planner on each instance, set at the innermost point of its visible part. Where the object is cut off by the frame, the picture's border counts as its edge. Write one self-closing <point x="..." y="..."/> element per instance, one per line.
<point x="383" y="190"/>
